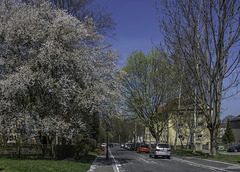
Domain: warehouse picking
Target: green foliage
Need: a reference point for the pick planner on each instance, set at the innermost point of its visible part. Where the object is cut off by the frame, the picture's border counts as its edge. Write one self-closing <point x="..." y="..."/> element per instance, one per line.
<point x="102" y="134"/>
<point x="149" y="81"/>
<point x="228" y="136"/>
<point x="83" y="146"/>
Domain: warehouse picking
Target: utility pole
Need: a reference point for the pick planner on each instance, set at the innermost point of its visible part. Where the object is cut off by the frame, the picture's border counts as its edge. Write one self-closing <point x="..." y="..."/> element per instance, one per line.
<point x="107" y="130"/>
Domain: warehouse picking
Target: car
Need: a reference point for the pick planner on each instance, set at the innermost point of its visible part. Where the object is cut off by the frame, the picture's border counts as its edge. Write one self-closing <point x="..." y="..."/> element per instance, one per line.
<point x="235" y="148"/>
<point x="134" y="146"/>
<point x="122" y="145"/>
<point x="160" y="149"/>
<point x="143" y="148"/>
<point x="126" y="145"/>
<point x="129" y="146"/>
<point x="103" y="144"/>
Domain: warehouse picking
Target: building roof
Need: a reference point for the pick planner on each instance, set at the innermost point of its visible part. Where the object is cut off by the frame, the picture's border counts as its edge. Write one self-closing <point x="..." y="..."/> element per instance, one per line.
<point x="237" y="118"/>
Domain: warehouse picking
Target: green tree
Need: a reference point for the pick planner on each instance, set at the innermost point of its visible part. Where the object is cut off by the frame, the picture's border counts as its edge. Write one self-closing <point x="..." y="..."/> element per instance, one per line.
<point x="148" y="82"/>
<point x="228" y="137"/>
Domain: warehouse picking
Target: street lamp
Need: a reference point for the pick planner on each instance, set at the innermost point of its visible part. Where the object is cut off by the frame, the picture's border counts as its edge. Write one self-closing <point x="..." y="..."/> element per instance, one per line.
<point x="107" y="130"/>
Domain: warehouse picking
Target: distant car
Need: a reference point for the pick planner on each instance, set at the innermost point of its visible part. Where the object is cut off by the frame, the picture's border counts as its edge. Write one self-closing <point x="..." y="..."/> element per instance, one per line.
<point x="143" y="148"/>
<point x="126" y="145"/>
<point x="160" y="149"/>
<point x="129" y="146"/>
<point x="122" y="145"/>
<point x="235" y="148"/>
<point x="103" y="144"/>
<point x="111" y="145"/>
<point x="134" y="146"/>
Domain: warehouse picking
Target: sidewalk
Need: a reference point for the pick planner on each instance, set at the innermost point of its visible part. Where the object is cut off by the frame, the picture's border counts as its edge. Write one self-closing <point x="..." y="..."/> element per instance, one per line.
<point x="102" y="165"/>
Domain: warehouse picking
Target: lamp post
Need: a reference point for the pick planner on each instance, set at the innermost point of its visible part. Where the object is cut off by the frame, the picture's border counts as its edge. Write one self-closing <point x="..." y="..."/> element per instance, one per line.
<point x="107" y="130"/>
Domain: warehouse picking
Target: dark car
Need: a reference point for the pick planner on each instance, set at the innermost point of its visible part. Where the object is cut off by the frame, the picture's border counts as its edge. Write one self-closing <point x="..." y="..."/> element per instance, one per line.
<point x="130" y="146"/>
<point x="235" y="148"/>
<point x="134" y="146"/>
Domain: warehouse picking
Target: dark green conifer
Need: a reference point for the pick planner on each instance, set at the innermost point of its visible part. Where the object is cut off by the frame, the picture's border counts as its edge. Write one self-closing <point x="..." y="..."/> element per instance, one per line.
<point x="228" y="137"/>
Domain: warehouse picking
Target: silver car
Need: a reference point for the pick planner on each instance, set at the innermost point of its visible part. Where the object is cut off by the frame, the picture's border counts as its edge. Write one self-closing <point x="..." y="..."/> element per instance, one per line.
<point x="160" y="149"/>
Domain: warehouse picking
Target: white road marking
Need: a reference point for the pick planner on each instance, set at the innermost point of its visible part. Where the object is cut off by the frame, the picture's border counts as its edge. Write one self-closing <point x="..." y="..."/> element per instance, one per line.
<point x="198" y="165"/>
<point x="117" y="165"/>
<point x="147" y="161"/>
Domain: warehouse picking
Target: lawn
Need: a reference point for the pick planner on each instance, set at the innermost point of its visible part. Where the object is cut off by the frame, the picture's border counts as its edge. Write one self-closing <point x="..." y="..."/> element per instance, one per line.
<point x="15" y="165"/>
<point x="220" y="157"/>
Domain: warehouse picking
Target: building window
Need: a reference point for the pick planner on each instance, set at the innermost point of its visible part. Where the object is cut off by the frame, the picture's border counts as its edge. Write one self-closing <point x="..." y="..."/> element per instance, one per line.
<point x="200" y="136"/>
<point x="181" y="137"/>
<point x="200" y="124"/>
<point x="180" y="125"/>
<point x="180" y="114"/>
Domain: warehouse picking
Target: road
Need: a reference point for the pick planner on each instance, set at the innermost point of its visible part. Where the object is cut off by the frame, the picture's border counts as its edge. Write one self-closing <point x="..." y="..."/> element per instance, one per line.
<point x="130" y="161"/>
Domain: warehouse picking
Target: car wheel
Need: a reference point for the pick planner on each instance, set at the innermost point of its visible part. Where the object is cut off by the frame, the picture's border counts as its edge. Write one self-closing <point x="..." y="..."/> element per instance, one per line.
<point x="168" y="157"/>
<point x="150" y="155"/>
<point x="235" y="150"/>
<point x="155" y="156"/>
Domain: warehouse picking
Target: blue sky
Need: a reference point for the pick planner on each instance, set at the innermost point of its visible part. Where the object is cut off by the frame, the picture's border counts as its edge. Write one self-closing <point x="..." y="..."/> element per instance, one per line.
<point x="137" y="28"/>
<point x="137" y="25"/>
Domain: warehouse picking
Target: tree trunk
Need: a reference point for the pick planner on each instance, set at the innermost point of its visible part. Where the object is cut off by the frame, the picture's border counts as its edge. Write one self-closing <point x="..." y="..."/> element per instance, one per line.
<point x="213" y="142"/>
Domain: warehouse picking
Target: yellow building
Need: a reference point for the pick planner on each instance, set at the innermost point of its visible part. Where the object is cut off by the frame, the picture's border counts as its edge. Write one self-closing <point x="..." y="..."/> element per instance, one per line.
<point x="186" y="134"/>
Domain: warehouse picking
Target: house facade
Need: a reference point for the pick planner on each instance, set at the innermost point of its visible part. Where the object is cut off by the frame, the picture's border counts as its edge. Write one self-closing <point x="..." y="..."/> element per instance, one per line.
<point x="235" y="125"/>
<point x="185" y="134"/>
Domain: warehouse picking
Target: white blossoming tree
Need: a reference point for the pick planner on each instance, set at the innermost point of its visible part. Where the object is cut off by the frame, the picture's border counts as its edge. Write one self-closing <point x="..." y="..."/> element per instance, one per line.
<point x="57" y="70"/>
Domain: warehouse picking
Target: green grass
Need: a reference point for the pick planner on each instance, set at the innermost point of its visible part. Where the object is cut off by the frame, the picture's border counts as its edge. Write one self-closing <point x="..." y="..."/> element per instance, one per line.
<point x="219" y="157"/>
<point x="227" y="158"/>
<point x="15" y="165"/>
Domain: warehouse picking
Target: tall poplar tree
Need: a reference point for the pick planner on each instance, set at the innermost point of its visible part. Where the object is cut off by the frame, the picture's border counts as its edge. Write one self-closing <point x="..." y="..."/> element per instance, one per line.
<point x="228" y="136"/>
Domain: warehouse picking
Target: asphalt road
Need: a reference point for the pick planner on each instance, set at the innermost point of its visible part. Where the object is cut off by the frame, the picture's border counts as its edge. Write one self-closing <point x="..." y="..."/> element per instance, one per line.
<point x="130" y="161"/>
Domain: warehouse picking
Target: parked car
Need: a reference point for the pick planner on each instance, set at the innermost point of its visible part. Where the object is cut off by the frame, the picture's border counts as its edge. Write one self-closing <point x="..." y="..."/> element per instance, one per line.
<point x="123" y="145"/>
<point x="130" y="146"/>
<point x="160" y="149"/>
<point x="135" y="146"/>
<point x="126" y="145"/>
<point x="143" y="148"/>
<point x="235" y="148"/>
<point x="103" y="144"/>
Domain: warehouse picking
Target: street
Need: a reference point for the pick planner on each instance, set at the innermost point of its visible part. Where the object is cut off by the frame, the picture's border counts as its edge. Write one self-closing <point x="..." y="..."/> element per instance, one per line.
<point x="130" y="161"/>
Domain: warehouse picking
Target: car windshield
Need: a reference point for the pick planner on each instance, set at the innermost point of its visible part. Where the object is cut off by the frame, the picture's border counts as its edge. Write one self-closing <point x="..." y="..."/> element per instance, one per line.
<point x="237" y="146"/>
<point x="145" y="146"/>
<point x="163" y="145"/>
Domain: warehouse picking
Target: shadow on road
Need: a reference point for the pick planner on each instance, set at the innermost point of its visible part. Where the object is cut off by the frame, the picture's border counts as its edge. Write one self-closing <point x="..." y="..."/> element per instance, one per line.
<point x="123" y="160"/>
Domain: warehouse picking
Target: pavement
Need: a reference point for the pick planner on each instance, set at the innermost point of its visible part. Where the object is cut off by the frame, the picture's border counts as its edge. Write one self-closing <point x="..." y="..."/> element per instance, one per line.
<point x="101" y="164"/>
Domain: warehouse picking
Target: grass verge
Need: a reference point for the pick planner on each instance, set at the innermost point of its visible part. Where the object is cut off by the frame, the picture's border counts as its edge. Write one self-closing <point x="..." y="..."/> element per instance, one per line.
<point x="219" y="157"/>
<point x="15" y="165"/>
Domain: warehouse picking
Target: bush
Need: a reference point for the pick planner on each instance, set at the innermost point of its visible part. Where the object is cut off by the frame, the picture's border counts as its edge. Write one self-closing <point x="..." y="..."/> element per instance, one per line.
<point x="83" y="146"/>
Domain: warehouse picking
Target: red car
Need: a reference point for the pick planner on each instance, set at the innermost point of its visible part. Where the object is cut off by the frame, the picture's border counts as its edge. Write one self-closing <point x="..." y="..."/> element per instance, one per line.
<point x="143" y="148"/>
